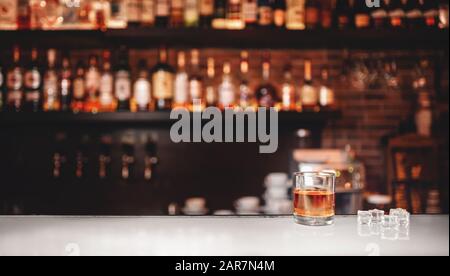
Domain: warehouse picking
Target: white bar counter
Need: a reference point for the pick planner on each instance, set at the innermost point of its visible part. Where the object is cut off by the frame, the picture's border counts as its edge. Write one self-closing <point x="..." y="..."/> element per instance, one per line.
<point x="204" y="236"/>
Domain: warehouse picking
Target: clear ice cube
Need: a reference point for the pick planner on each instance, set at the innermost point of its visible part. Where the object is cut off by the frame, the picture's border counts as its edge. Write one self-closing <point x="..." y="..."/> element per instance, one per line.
<point x="377" y="215"/>
<point x="390" y="222"/>
<point x="401" y="214"/>
<point x="364" y="217"/>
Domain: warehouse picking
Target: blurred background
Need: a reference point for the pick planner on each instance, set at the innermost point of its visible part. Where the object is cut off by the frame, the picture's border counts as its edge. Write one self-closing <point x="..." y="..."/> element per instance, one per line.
<point x="87" y="88"/>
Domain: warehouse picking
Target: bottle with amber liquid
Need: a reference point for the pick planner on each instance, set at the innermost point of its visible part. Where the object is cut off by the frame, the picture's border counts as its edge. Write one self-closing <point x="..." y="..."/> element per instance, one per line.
<point x="430" y="10"/>
<point x="163" y="81"/>
<point x="220" y="15"/>
<point x="326" y="14"/>
<point x="380" y="16"/>
<point x="327" y="99"/>
<point x="197" y="103"/>
<point x="265" y="13"/>
<point x="396" y="12"/>
<point x="266" y="94"/>
<point x="14" y="84"/>
<point x="312" y="10"/>
<point x="92" y="104"/>
<point x="33" y="84"/>
<point x="23" y="14"/>
<point x="51" y="89"/>
<point x="65" y="83"/>
<point x="176" y="14"/>
<point x="279" y="13"/>
<point x="162" y="13"/>
<point x="181" y="95"/>
<point x="106" y="89"/>
<point x="246" y="99"/>
<point x="211" y="96"/>
<point x="308" y="92"/>
<point x="288" y="91"/>
<point x="362" y="15"/>
<point x="79" y="89"/>
<point x="343" y="16"/>
<point x="191" y="13"/>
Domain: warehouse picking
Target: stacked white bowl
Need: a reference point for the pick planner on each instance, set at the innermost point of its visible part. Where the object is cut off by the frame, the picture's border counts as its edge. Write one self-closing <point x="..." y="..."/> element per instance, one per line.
<point x="276" y="196"/>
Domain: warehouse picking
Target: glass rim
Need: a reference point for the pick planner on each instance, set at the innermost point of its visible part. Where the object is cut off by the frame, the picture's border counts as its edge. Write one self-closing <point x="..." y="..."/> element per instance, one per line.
<point x="312" y="173"/>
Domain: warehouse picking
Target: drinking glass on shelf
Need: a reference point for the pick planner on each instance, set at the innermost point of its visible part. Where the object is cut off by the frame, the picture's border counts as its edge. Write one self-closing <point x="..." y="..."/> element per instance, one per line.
<point x="314" y="198"/>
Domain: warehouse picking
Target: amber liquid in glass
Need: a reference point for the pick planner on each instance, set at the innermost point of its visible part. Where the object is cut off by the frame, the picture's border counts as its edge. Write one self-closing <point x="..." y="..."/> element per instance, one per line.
<point x="313" y="203"/>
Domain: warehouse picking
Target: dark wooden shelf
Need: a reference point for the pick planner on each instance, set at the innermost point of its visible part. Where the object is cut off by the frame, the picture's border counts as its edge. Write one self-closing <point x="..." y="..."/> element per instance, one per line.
<point x="150" y="119"/>
<point x="249" y="38"/>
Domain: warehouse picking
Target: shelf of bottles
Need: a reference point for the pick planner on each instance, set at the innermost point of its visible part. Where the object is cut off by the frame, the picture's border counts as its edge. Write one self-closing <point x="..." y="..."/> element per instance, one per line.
<point x="225" y="23"/>
<point x="106" y="90"/>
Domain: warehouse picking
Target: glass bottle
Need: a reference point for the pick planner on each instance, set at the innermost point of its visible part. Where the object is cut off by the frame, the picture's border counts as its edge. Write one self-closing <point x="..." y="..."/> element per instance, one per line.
<point x="33" y="84"/>
<point x="227" y="90"/>
<point x="163" y="81"/>
<point x="181" y="96"/>
<point x="142" y="89"/>
<point x="52" y="99"/>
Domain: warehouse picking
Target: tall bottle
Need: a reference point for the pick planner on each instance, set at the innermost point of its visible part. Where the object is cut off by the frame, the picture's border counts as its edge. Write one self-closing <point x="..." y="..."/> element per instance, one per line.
<point x="245" y="93"/>
<point x="162" y="12"/>
<point x="163" y="81"/>
<point x="14" y="84"/>
<point x="413" y="13"/>
<point x="176" y="14"/>
<point x="8" y="14"/>
<point x="327" y="99"/>
<point x="266" y="94"/>
<point x="142" y="89"/>
<point x="191" y="13"/>
<point x="288" y="91"/>
<point x="206" y="13"/>
<point x="343" y="14"/>
<point x="396" y="14"/>
<point x="122" y="82"/>
<point x="52" y="95"/>
<point x="295" y="17"/>
<point x="380" y="16"/>
<point x="312" y="11"/>
<point x="106" y="98"/>
<point x="79" y="89"/>
<point x="65" y="83"/>
<point x="308" y="93"/>
<point x="362" y="15"/>
<point x="181" y="96"/>
<point x="210" y="89"/>
<point x="227" y="90"/>
<point x="430" y="9"/>
<point x="33" y="84"/>
<point x="235" y="17"/>
<point x="196" y="83"/>
<point x="92" y="85"/>
<point x="220" y="14"/>
<point x="250" y="13"/>
<point x="265" y="13"/>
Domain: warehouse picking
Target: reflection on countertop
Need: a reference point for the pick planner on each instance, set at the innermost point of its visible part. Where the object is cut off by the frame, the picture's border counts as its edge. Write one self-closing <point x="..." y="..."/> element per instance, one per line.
<point x="427" y="235"/>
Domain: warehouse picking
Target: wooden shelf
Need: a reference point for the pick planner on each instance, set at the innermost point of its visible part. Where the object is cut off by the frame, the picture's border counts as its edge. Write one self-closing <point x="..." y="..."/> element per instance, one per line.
<point x="209" y="38"/>
<point x="23" y="119"/>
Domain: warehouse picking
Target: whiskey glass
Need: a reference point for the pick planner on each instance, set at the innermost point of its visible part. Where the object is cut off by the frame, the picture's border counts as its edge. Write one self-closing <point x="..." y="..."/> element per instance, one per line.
<point x="314" y="198"/>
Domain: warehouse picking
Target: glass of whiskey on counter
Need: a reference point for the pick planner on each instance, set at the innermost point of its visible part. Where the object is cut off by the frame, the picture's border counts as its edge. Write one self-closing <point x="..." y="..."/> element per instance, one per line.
<point x="314" y="198"/>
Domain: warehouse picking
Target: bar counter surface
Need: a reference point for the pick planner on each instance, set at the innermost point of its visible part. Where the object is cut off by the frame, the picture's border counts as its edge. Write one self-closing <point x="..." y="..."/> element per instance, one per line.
<point x="204" y="236"/>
